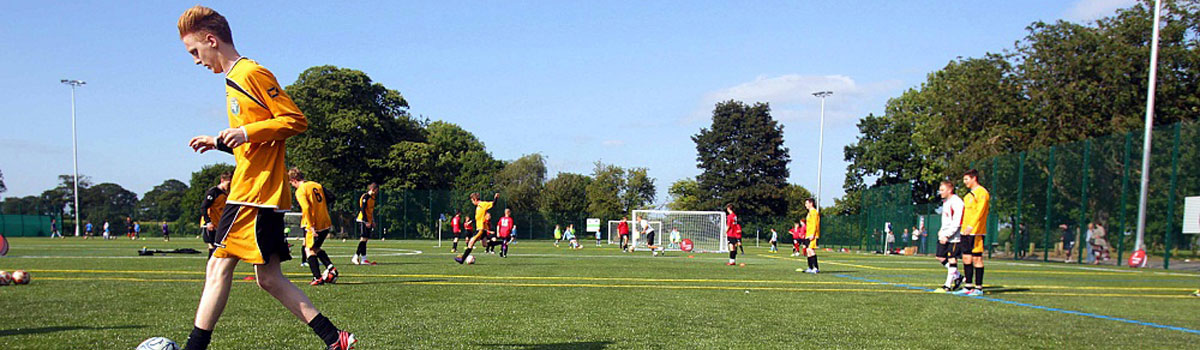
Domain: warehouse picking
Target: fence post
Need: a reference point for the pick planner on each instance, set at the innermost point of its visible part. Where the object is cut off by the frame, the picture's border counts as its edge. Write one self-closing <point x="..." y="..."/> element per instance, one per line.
<point x="1049" y="208"/>
<point x="1020" y="203"/>
<point x="1171" y="200"/>
<point x="1083" y="204"/>
<point x="994" y="231"/>
<point x="1124" y="187"/>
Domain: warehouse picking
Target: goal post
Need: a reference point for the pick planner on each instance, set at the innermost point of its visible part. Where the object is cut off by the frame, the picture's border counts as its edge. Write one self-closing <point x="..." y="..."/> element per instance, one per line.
<point x="706" y="229"/>
<point x="635" y="233"/>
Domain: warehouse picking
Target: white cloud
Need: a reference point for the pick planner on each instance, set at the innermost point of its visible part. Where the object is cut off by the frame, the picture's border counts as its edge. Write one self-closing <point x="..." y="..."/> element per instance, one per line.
<point x="791" y="96"/>
<point x="1089" y="10"/>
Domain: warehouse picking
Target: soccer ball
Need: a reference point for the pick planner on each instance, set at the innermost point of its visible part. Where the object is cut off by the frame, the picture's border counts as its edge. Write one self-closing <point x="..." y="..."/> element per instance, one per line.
<point x="5" y="278"/>
<point x="655" y="253"/>
<point x="158" y="343"/>
<point x="470" y="260"/>
<point x="20" y="277"/>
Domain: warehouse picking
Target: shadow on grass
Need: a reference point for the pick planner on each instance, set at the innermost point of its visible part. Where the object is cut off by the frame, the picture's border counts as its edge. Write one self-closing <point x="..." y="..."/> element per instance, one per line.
<point x="41" y="330"/>
<point x="1003" y="289"/>
<point x="592" y="345"/>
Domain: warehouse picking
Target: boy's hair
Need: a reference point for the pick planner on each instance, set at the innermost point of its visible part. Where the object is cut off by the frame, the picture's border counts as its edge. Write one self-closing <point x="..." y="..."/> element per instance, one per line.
<point x="373" y="186"/>
<point x="226" y="176"/>
<point x="948" y="184"/>
<point x="200" y="19"/>
<point x="295" y="174"/>
<point x="811" y="201"/>
<point x="729" y="206"/>
<point x="474" y="195"/>
<point x="974" y="174"/>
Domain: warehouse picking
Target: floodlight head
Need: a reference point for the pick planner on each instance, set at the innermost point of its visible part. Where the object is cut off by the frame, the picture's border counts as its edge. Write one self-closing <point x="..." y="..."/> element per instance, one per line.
<point x="73" y="82"/>
<point x="822" y="94"/>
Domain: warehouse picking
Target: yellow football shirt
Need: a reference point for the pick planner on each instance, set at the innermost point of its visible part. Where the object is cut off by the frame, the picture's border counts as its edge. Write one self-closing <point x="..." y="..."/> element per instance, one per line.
<point x="975" y="211"/>
<point x="314" y="210"/>
<point x="813" y="225"/>
<point x="259" y="107"/>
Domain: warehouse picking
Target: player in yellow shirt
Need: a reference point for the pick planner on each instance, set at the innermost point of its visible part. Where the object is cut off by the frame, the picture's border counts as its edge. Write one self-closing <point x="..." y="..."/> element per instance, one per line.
<point x="212" y="207"/>
<point x="974" y="230"/>
<point x="314" y="219"/>
<point x="481" y="220"/>
<point x="261" y="118"/>
<point x="812" y="233"/>
<point x="366" y="223"/>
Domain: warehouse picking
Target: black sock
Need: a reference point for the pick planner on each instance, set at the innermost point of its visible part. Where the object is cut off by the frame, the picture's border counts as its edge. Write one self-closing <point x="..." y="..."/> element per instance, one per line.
<point x="733" y="253"/>
<point x="742" y="249"/>
<point x="979" y="277"/>
<point x="455" y="246"/>
<point x="198" y="340"/>
<point x="324" y="329"/>
<point x="324" y="258"/>
<point x="816" y="263"/>
<point x="314" y="266"/>
<point x="362" y="248"/>
<point x="210" y="251"/>
<point x="467" y="252"/>
<point x="811" y="261"/>
<point x="504" y="249"/>
<point x="969" y="273"/>
<point x="303" y="254"/>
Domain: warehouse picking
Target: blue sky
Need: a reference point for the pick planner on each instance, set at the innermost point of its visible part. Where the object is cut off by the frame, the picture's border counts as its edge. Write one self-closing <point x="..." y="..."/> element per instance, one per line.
<point x="624" y="82"/>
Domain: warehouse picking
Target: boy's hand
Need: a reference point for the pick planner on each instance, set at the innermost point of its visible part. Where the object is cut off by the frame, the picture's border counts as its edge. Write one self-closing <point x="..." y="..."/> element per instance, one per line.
<point x="232" y="137"/>
<point x="202" y="143"/>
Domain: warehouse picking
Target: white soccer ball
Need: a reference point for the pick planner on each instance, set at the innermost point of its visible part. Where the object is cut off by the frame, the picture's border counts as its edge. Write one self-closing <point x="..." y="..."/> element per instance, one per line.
<point x="5" y="278"/>
<point x="20" y="277"/>
<point x="158" y="343"/>
<point x="470" y="260"/>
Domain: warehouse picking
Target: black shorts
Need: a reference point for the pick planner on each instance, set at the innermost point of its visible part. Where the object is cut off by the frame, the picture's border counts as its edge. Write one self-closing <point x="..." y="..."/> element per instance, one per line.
<point x="650" y="238"/>
<point x="251" y="234"/>
<point x="457" y="234"/>
<point x="623" y="236"/>
<point x="209" y="236"/>
<point x="734" y="240"/>
<point x="364" y="231"/>
<point x="964" y="246"/>
<point x="804" y="243"/>
<point x="1067" y="245"/>
<point x="949" y="250"/>
<point x="319" y="238"/>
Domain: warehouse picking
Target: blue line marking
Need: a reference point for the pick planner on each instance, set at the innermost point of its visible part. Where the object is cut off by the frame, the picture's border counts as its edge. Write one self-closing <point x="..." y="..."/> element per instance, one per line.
<point x="1038" y="307"/>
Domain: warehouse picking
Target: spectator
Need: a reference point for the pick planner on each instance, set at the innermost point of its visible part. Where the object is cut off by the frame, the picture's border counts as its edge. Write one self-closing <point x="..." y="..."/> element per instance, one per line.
<point x="916" y="240"/>
<point x="1068" y="241"/>
<point x="1091" y="247"/>
<point x="1100" y="246"/>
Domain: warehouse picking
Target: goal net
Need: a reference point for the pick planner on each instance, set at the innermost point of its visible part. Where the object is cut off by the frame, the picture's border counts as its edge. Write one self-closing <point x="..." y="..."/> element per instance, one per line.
<point x="706" y="229"/>
<point x="635" y="233"/>
<point x="291" y="221"/>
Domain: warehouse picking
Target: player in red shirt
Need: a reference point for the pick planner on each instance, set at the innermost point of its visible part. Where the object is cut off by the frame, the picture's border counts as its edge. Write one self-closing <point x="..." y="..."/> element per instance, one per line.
<point x="506" y="228"/>
<point x="456" y="227"/>
<point x="623" y="232"/>
<point x="733" y="233"/>
<point x="797" y="234"/>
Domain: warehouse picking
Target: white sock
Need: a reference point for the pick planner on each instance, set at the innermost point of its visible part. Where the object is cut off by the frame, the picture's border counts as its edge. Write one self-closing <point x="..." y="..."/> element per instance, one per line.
<point x="731" y="261"/>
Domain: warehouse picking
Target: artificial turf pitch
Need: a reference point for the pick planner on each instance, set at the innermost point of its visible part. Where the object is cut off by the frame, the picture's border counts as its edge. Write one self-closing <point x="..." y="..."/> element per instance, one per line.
<point x="92" y="294"/>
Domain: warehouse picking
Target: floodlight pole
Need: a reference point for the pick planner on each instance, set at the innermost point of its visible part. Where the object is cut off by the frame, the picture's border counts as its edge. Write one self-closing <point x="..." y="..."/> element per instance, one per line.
<point x="1141" y="221"/>
<point x="74" y="147"/>
<point x="821" y="143"/>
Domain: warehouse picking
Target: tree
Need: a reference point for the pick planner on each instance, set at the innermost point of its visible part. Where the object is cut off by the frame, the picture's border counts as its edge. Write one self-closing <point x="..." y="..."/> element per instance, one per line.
<point x="638" y="191"/>
<point x="201" y="180"/>
<point x="61" y="198"/>
<point x="462" y="160"/>
<point x="521" y="182"/>
<point x="796" y="195"/>
<point x="108" y="202"/>
<point x="353" y="125"/>
<point x="163" y="202"/>
<point x="685" y="195"/>
<point x="604" y="191"/>
<point x="565" y="198"/>
<point x="743" y="160"/>
<point x="3" y="188"/>
<point x="28" y="205"/>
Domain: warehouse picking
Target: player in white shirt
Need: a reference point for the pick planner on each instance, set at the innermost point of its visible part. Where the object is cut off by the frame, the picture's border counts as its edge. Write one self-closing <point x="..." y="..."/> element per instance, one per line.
<point x="949" y="236"/>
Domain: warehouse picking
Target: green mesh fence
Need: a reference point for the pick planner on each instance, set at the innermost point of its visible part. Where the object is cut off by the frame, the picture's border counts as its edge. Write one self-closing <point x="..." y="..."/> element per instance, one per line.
<point x="27" y="225"/>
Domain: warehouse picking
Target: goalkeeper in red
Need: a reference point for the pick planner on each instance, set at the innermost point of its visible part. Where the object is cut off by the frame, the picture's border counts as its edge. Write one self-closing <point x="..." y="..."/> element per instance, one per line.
<point x="733" y="233"/>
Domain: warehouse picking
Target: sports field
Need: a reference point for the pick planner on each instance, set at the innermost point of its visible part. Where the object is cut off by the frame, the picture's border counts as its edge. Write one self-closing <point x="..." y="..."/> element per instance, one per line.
<point x="101" y="295"/>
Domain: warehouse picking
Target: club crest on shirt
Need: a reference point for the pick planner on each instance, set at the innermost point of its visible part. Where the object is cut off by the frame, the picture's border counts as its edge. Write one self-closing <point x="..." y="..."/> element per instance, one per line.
<point x="234" y="108"/>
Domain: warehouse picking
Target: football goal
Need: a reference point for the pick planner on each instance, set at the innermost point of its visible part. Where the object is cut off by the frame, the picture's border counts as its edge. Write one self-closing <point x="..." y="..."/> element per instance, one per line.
<point x="706" y="229"/>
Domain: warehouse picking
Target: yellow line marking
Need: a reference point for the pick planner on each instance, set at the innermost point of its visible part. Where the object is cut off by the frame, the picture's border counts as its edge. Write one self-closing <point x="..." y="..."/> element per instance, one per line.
<point x="1088" y="273"/>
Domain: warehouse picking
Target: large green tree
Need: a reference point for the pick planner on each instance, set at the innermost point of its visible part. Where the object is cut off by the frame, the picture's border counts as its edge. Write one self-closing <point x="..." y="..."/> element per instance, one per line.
<point x="685" y="195"/>
<point x="108" y="202"/>
<point x="604" y="191"/>
<point x="520" y="183"/>
<point x="462" y="162"/>
<point x="353" y="127"/>
<point x="743" y="160"/>
<point x="564" y="200"/>
<point x="3" y="188"/>
<point x="639" y="190"/>
<point x="163" y="202"/>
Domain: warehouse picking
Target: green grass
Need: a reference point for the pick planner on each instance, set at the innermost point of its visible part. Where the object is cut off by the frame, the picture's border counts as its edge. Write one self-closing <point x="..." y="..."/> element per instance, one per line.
<point x="101" y="295"/>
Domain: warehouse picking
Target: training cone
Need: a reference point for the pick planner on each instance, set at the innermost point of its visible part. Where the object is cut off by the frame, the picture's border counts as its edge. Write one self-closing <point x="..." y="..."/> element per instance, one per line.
<point x="248" y="278"/>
